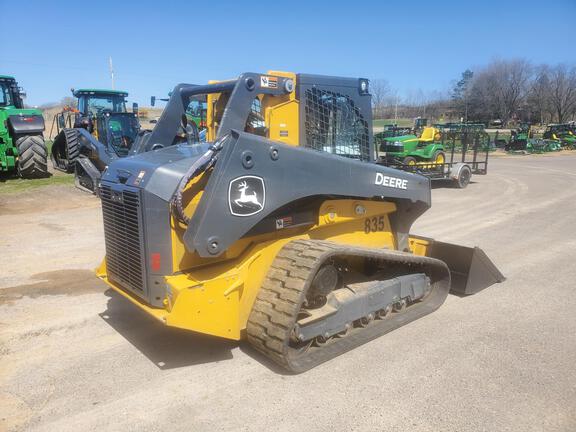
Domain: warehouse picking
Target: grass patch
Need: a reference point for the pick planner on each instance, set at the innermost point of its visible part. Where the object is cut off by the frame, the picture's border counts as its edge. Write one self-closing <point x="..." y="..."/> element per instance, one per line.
<point x="12" y="185"/>
<point x="402" y="122"/>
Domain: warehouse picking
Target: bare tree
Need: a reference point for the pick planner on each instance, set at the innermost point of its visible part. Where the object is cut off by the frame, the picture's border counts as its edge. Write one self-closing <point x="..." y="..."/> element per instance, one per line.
<point x="461" y="93"/>
<point x="563" y="91"/>
<point x="538" y="101"/>
<point x="68" y="101"/>
<point x="380" y="90"/>
<point x="499" y="89"/>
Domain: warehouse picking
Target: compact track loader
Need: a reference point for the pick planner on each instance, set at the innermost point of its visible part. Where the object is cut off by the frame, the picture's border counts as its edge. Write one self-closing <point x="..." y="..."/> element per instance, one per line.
<point x="280" y="229"/>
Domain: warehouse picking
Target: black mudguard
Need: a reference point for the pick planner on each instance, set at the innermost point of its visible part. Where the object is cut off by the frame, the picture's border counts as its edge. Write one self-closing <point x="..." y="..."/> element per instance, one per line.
<point x="26" y="124"/>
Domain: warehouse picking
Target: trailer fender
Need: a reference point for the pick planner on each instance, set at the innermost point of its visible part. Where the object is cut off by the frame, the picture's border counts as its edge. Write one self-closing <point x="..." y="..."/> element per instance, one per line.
<point x="454" y="170"/>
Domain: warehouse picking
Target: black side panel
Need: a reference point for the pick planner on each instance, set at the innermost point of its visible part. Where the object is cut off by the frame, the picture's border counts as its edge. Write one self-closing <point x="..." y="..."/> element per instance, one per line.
<point x="26" y="124"/>
<point x="277" y="175"/>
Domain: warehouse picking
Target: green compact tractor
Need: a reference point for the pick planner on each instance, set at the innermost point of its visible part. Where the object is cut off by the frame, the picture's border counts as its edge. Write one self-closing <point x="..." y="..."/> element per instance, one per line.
<point x="22" y="145"/>
<point x="88" y="138"/>
<point x="522" y="140"/>
<point x="563" y="133"/>
<point x="412" y="149"/>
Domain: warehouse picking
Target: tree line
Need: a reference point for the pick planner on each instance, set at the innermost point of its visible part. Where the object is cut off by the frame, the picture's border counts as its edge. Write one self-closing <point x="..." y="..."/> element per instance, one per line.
<point x="511" y="91"/>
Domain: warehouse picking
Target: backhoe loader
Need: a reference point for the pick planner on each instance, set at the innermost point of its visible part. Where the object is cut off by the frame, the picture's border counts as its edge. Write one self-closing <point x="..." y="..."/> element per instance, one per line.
<point x="280" y="229"/>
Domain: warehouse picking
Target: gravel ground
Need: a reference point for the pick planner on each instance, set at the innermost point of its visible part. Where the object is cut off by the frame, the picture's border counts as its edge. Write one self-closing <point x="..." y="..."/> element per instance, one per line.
<point x="77" y="357"/>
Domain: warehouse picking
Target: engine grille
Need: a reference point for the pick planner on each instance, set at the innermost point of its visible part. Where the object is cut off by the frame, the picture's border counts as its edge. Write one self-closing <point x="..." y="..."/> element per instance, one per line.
<point x="122" y="233"/>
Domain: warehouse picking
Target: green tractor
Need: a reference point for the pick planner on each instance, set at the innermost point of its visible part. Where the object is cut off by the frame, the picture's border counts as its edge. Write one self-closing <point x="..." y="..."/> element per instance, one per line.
<point x="88" y="138"/>
<point x="563" y="133"/>
<point x="412" y="149"/>
<point x="22" y="146"/>
<point x="195" y="112"/>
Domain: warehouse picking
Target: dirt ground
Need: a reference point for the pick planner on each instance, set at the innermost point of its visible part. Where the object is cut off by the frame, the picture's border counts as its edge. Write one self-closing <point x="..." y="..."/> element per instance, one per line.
<point x="74" y="356"/>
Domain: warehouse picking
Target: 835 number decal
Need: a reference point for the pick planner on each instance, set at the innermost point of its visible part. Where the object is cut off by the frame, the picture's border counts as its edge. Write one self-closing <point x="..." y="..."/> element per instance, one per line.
<point x="374" y="224"/>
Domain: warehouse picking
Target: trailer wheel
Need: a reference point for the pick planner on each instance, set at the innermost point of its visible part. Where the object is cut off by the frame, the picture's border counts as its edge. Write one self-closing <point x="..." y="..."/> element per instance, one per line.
<point x="409" y="160"/>
<point x="32" y="158"/>
<point x="463" y="177"/>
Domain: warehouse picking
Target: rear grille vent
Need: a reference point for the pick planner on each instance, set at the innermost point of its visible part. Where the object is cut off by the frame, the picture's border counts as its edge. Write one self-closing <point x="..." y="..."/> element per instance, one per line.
<point x="122" y="233"/>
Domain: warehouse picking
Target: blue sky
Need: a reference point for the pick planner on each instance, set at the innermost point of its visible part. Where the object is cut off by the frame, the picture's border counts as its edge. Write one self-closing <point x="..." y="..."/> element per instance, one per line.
<point x="52" y="46"/>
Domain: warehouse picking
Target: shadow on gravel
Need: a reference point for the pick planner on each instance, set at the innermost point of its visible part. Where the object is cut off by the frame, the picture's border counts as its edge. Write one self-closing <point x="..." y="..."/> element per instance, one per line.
<point x="443" y="184"/>
<point x="166" y="347"/>
<point x="247" y="349"/>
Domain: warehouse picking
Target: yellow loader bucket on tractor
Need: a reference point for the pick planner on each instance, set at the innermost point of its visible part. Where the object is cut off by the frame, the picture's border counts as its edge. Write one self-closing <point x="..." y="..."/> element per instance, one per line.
<point x="281" y="230"/>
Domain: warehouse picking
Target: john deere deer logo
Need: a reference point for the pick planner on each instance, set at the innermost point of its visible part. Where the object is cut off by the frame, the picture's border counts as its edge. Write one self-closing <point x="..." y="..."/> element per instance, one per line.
<point x="246" y="195"/>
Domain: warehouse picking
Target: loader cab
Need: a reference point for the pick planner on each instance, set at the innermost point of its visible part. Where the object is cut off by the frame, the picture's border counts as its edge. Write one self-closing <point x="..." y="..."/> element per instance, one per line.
<point x="94" y="103"/>
<point x="118" y="131"/>
<point x="103" y="113"/>
<point x="328" y="114"/>
<point x="10" y="95"/>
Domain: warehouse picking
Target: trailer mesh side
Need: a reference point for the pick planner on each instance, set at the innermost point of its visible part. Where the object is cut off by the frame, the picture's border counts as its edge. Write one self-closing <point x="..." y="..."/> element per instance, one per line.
<point x="334" y="124"/>
<point x="122" y="234"/>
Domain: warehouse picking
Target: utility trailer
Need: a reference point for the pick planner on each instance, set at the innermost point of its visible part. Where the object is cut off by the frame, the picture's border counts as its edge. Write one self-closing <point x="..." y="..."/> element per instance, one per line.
<point x="466" y="149"/>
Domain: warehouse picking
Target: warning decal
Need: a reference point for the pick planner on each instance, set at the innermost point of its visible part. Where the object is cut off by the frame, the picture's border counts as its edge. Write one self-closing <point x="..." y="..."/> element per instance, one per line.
<point x="269" y="81"/>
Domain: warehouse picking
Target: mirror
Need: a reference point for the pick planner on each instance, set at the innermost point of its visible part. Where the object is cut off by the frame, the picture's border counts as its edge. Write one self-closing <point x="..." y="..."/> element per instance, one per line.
<point x="152" y="100"/>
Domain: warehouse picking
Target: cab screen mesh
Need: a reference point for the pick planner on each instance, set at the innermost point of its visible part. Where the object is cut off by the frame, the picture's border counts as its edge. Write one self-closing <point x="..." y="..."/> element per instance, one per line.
<point x="333" y="124"/>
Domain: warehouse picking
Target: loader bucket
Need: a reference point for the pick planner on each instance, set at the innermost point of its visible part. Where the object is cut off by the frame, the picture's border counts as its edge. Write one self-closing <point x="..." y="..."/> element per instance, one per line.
<point x="470" y="268"/>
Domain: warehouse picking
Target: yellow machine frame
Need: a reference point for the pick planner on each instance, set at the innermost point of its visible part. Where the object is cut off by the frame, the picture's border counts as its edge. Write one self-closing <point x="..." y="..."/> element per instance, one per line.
<point x="217" y="299"/>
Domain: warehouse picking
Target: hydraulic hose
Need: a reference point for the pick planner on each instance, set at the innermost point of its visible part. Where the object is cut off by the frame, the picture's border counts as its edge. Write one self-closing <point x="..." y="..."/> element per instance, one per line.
<point x="203" y="163"/>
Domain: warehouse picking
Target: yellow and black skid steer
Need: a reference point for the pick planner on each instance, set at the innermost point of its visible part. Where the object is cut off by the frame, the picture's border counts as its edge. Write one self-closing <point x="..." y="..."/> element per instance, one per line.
<point x="279" y="229"/>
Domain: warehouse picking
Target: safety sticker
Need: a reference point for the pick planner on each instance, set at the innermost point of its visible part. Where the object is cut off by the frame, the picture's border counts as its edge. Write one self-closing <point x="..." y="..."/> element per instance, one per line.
<point x="284" y="222"/>
<point x="269" y="81"/>
<point x="139" y="178"/>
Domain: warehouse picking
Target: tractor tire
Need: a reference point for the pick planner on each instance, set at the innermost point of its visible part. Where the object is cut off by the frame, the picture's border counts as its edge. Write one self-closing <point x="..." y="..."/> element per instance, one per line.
<point x="409" y="160"/>
<point x="66" y="150"/>
<point x="464" y="177"/>
<point x="32" y="157"/>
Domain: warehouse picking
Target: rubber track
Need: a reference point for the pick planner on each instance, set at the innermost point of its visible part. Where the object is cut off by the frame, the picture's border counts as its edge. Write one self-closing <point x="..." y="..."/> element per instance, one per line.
<point x="68" y="138"/>
<point x="284" y="289"/>
<point x="32" y="157"/>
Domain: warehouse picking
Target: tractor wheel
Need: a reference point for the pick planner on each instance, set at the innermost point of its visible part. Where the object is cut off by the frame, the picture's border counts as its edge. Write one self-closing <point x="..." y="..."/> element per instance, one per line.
<point x="66" y="150"/>
<point x="410" y="161"/>
<point x="32" y="157"/>
<point x="439" y="157"/>
<point x="463" y="177"/>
